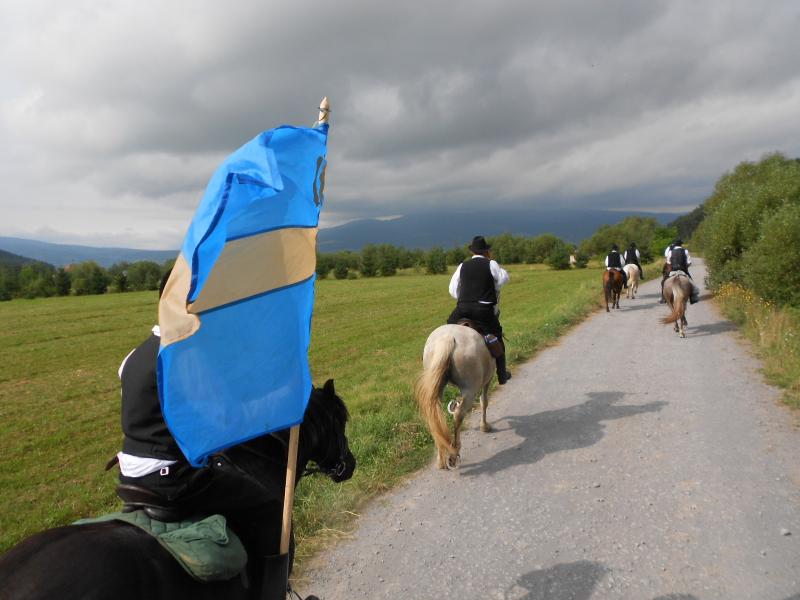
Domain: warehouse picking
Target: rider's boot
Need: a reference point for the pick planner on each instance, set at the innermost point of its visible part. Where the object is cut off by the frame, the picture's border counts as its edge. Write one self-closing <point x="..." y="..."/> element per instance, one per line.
<point x="502" y="374"/>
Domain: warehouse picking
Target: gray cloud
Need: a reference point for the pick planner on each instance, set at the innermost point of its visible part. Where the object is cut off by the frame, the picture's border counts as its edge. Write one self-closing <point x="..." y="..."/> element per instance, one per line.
<point x="115" y="114"/>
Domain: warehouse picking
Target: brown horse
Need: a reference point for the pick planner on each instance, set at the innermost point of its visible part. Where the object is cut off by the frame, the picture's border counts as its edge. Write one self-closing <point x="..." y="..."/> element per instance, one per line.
<point x="677" y="290"/>
<point x="612" y="287"/>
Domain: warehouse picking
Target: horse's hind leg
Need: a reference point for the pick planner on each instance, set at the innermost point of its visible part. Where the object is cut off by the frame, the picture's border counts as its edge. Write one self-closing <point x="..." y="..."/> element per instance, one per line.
<point x="485" y="427"/>
<point x="461" y="412"/>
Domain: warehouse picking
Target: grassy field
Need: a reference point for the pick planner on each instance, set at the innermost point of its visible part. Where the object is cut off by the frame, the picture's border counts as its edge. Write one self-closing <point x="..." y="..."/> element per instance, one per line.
<point x="59" y="391"/>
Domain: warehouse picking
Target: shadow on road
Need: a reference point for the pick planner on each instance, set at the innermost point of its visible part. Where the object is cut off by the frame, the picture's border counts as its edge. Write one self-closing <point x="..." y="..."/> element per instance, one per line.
<point x="677" y="597"/>
<point x="552" y="431"/>
<point x="711" y="328"/>
<point x="568" y="581"/>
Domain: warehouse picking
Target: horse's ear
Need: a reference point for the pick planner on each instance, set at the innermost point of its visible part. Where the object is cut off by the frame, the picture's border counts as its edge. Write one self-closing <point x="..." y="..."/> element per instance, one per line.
<point x="328" y="388"/>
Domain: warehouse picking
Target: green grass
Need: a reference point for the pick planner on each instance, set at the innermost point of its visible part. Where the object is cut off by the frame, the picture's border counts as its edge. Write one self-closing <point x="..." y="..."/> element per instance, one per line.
<point x="775" y="333"/>
<point x="59" y="391"/>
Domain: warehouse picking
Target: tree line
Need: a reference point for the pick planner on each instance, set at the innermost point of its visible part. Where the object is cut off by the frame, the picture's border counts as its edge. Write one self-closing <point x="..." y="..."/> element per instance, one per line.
<point x="750" y="233"/>
<point x="36" y="279"/>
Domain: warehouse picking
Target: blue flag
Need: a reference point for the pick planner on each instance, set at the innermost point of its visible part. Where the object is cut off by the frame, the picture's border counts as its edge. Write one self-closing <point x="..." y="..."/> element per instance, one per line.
<point x="235" y="315"/>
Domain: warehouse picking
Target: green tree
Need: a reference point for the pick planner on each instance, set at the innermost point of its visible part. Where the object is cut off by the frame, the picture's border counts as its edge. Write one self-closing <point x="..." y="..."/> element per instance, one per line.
<point x="340" y="267"/>
<point x="325" y="262"/>
<point x="89" y="278"/>
<point x="537" y="249"/>
<point x="8" y="282"/>
<point x="770" y="265"/>
<point x="36" y="280"/>
<point x="144" y="275"/>
<point x="558" y="257"/>
<point x="369" y="261"/>
<point x="741" y="201"/>
<point x="457" y="255"/>
<point x="387" y="260"/>
<point x="63" y="282"/>
<point x="436" y="261"/>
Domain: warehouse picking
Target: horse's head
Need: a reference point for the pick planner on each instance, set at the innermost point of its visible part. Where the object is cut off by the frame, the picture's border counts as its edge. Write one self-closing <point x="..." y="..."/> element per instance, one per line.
<point x="323" y="430"/>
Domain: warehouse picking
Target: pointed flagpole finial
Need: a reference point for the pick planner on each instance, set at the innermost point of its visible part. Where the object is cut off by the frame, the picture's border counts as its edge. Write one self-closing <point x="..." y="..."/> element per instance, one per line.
<point x="324" y="111"/>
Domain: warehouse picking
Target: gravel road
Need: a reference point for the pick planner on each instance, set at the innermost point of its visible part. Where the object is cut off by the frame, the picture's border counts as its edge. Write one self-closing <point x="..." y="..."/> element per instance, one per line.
<point x="625" y="463"/>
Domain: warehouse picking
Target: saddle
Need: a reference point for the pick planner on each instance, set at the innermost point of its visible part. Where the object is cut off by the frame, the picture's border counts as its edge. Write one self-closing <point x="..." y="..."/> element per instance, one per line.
<point x="493" y="344"/>
<point x="155" y="506"/>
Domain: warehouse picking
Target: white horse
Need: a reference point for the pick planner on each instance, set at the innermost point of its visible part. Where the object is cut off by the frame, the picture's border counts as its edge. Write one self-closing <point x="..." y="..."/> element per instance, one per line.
<point x="677" y="290"/>
<point x="453" y="354"/>
<point x="632" y="271"/>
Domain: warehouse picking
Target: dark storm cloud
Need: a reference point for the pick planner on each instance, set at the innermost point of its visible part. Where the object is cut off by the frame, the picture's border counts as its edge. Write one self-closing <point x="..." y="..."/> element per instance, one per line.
<point x="129" y="106"/>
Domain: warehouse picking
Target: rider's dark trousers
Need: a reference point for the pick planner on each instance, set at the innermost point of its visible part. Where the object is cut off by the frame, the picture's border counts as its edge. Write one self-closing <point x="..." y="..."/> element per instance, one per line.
<point x="221" y="488"/>
<point x="484" y="317"/>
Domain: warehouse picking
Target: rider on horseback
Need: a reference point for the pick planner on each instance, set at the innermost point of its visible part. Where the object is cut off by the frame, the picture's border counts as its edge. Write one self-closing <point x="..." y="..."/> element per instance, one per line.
<point x="679" y="260"/>
<point x="665" y="271"/>
<point x="631" y="257"/>
<point x="154" y="473"/>
<point x="476" y="286"/>
<point x="614" y="262"/>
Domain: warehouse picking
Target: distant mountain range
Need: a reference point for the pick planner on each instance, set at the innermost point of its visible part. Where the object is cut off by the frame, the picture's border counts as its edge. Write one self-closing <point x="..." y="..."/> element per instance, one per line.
<point x="456" y="229"/>
<point x="65" y="254"/>
<point x="410" y="231"/>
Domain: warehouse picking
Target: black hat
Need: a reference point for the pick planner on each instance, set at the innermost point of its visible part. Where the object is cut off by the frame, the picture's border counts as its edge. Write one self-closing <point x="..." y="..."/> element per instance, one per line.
<point x="614" y="247"/>
<point x="479" y="245"/>
<point x="678" y="242"/>
<point x="633" y="245"/>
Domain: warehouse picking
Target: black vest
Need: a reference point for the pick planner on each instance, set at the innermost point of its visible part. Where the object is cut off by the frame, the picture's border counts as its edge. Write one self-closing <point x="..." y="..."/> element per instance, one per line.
<point x="146" y="433"/>
<point x="630" y="257"/>
<point x="477" y="283"/>
<point x="677" y="260"/>
<point x="614" y="260"/>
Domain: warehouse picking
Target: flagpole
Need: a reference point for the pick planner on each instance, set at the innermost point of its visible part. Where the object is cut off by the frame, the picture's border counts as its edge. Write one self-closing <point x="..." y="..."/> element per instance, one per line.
<point x="294" y="432"/>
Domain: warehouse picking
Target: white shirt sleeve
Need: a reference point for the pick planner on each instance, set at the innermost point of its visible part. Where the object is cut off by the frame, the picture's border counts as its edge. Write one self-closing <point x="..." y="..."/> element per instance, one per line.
<point x="606" y="261"/>
<point x="500" y="275"/>
<point x="688" y="258"/>
<point x="667" y="252"/>
<point x="637" y="254"/>
<point x="455" y="283"/>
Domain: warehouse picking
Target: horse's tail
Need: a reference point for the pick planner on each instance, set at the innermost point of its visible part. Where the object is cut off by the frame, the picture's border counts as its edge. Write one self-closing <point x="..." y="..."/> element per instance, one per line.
<point x="428" y="391"/>
<point x="678" y="304"/>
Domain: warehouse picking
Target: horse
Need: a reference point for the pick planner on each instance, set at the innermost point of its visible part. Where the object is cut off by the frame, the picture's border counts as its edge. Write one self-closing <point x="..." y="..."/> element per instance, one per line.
<point x="115" y="560"/>
<point x="677" y="290"/>
<point x="612" y="287"/>
<point x="453" y="354"/>
<point x="632" y="271"/>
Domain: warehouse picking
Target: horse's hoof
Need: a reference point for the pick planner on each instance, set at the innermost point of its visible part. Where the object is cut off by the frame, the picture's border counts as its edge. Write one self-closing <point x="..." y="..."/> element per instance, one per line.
<point x="683" y="335"/>
<point x="485" y="427"/>
<point x="453" y="462"/>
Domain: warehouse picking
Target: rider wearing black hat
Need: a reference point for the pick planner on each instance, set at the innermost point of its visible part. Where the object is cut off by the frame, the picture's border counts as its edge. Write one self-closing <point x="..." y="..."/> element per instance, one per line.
<point x="476" y="285"/>
<point x="614" y="262"/>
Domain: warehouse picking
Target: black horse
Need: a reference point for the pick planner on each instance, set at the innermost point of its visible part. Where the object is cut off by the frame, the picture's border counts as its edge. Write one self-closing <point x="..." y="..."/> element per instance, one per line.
<point x="116" y="561"/>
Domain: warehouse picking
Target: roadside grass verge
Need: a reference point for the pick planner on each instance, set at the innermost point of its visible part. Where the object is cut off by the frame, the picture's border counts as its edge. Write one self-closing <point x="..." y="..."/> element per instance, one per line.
<point x="59" y="391"/>
<point x="775" y="333"/>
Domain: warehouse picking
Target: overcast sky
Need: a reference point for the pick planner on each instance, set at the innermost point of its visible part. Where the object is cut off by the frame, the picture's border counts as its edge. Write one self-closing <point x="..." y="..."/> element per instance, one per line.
<point x="113" y="114"/>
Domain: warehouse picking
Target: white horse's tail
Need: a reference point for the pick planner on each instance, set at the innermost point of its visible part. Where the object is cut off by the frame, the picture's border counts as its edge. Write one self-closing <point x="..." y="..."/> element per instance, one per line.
<point x="679" y="295"/>
<point x="428" y="392"/>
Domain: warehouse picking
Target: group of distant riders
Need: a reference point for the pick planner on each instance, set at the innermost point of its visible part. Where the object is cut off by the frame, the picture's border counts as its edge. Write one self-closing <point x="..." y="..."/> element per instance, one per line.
<point x="676" y="260"/>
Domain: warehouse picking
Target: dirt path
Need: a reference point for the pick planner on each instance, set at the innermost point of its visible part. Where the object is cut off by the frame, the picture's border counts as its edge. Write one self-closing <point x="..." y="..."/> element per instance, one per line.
<point x="625" y="463"/>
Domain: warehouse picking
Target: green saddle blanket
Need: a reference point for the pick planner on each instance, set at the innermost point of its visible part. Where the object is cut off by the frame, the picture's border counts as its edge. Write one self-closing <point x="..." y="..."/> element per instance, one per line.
<point x="207" y="549"/>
